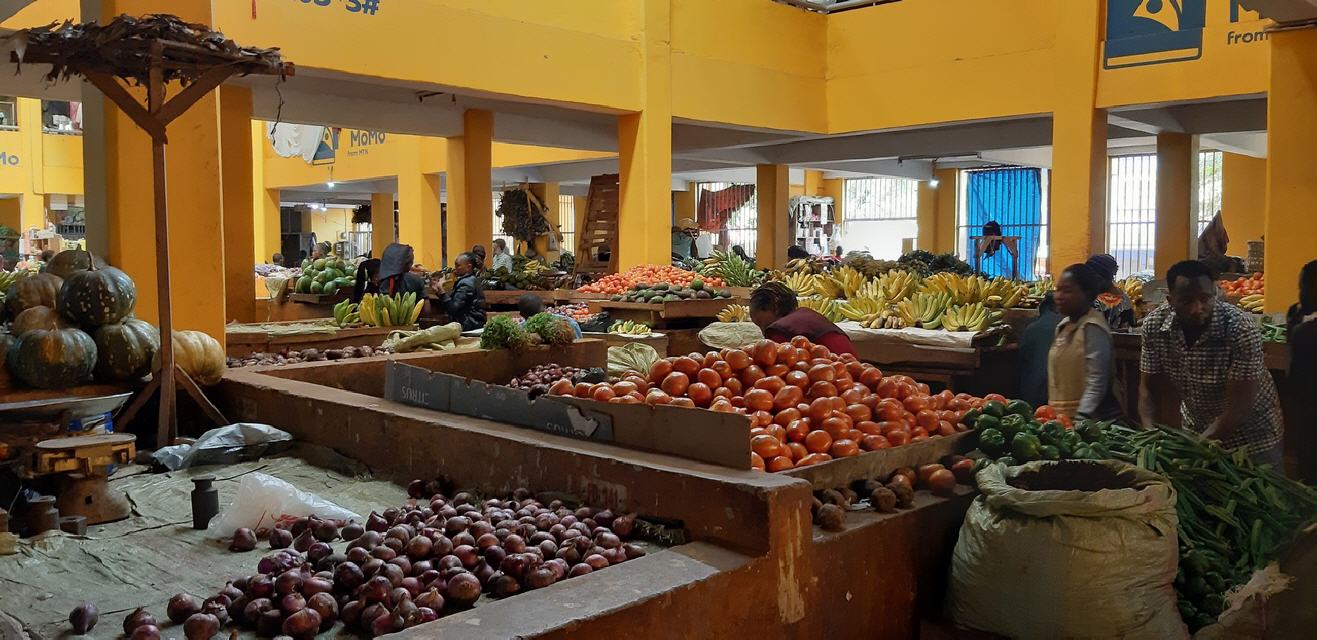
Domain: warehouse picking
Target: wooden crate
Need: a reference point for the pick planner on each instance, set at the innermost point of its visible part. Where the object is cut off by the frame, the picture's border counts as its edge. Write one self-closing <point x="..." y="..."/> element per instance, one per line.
<point x="319" y="298"/>
<point x="238" y="345"/>
<point x="662" y="314"/>
<point x="510" y="297"/>
<point x="880" y="464"/>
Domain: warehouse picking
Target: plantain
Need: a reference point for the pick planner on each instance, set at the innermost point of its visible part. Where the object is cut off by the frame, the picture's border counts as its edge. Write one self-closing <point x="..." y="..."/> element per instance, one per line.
<point x="734" y="313"/>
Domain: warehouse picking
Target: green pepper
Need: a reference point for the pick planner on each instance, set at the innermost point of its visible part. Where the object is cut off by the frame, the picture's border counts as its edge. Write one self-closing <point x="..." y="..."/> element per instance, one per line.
<point x="985" y="422"/>
<point x="1049" y="452"/>
<point x="1007" y="460"/>
<point x="1013" y="424"/>
<point x="1090" y="430"/>
<point x="1215" y="582"/>
<point x="1019" y="408"/>
<point x="1187" y="610"/>
<point x="1213" y="604"/>
<point x="972" y="417"/>
<point x="1196" y="562"/>
<point x="1195" y="587"/>
<point x="993" y="443"/>
<point x="1082" y="452"/>
<point x="1024" y="446"/>
<point x="1052" y="432"/>
<point x="994" y="409"/>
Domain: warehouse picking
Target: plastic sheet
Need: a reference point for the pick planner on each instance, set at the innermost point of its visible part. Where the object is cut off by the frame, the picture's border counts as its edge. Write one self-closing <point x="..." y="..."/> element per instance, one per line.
<point x="225" y="445"/>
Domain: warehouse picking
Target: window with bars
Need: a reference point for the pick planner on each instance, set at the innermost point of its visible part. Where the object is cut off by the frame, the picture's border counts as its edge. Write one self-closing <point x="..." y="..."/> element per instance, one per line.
<point x="742" y="226"/>
<point x="880" y="213"/>
<point x="567" y="222"/>
<point x="498" y="224"/>
<point x="1132" y="206"/>
<point x="1013" y="197"/>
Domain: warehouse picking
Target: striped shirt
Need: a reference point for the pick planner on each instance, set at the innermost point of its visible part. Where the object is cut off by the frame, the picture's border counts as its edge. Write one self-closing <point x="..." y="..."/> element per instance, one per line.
<point x="1229" y="349"/>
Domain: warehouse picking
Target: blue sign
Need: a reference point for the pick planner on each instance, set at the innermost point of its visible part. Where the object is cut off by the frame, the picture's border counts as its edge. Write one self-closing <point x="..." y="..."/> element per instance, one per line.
<point x="1143" y="32"/>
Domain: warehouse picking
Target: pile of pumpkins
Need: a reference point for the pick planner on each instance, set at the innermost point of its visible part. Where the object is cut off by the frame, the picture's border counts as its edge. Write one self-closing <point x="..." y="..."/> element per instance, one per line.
<point x="72" y="324"/>
<point x="324" y="276"/>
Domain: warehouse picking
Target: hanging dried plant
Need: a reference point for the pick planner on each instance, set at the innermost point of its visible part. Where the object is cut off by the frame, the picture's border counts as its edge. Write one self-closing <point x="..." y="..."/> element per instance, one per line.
<point x="523" y="217"/>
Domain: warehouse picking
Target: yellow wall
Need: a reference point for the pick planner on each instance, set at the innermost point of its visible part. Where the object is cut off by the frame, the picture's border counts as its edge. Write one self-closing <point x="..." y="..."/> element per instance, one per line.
<point x="36" y="164"/>
<point x="1291" y="199"/>
<point x="1243" y="199"/>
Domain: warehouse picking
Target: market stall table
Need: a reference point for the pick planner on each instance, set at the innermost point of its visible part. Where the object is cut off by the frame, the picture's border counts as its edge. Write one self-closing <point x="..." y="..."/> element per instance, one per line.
<point x="244" y="339"/>
<point x="961" y="361"/>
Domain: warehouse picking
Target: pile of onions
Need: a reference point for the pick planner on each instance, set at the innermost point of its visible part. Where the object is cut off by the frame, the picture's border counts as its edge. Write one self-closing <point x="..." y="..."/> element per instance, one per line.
<point x="406" y="566"/>
<point x="806" y="405"/>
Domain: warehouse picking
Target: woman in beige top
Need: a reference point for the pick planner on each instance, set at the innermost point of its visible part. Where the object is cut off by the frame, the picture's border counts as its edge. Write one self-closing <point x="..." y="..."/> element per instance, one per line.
<point x="1079" y="365"/>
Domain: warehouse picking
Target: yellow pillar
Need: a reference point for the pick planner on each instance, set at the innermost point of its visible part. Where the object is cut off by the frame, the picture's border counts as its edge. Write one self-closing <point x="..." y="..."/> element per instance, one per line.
<point x="1177" y="155"/>
<point x="266" y="230"/>
<point x="196" y="229"/>
<point x="814" y="183"/>
<point x="684" y="202"/>
<point x="926" y="216"/>
<point x="645" y="150"/>
<point x="835" y="188"/>
<point x="32" y="197"/>
<point x="419" y="207"/>
<point x="774" y="232"/>
<point x="239" y="235"/>
<point x="548" y="192"/>
<point x="1079" y="137"/>
<point x="470" y="184"/>
<point x="579" y="204"/>
<point x="1243" y="199"/>
<point x="1291" y="223"/>
<point x="381" y="223"/>
<point x="455" y="186"/>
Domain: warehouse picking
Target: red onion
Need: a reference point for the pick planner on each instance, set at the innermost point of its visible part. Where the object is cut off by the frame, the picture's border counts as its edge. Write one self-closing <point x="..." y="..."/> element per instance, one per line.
<point x="391" y="515"/>
<point x="145" y="632"/>
<point x="624" y="525"/>
<point x="608" y="540"/>
<point x="348" y="576"/>
<point x="579" y="570"/>
<point x="270" y="623"/>
<point x="548" y="548"/>
<point x="243" y="540"/>
<point x="218" y="607"/>
<point x="483" y="572"/>
<point x="419" y="547"/>
<point x="442" y="547"/>
<point x="260" y="586"/>
<point x="464" y="497"/>
<point x="371" y="612"/>
<point x="288" y="582"/>
<point x="425" y="614"/>
<point x="84" y="617"/>
<point x="412" y="585"/>
<point x="314" y="585"/>
<point x="402" y="562"/>
<point x="559" y="568"/>
<point x="251" y="614"/>
<point x="596" y="562"/>
<point x="393" y="573"/>
<point x="428" y="576"/>
<point x="416" y="489"/>
<point x="326" y="607"/>
<point x="303" y="625"/>
<point x="385" y="624"/>
<point x="514" y="544"/>
<point x="280" y="539"/>
<point x="372" y="567"/>
<point x="399" y="595"/>
<point x="503" y="585"/>
<point x="432" y="599"/>
<point x="318" y="551"/>
<point x="324" y="530"/>
<point x="385" y="551"/>
<point x="463" y="589"/>
<point x="350" y="614"/>
<point x="632" y="551"/>
<point x="304" y="540"/>
<point x="230" y="591"/>
<point x="421" y="566"/>
<point x="615" y="555"/>
<point x="137" y="618"/>
<point x="539" y="578"/>
<point x="352" y="530"/>
<point x="357" y="555"/>
<point x="279" y="561"/>
<point x="456" y="525"/>
<point x="292" y="603"/>
<point x="468" y="555"/>
<point x="401" y="532"/>
<point x="374" y="522"/>
<point x="182" y="606"/>
<point x="201" y="626"/>
<point x="494" y="555"/>
<point x="376" y="589"/>
<point x="513" y="565"/>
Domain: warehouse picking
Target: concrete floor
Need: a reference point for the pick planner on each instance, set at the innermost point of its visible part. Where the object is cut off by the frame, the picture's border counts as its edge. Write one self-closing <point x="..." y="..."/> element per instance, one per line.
<point x="144" y="560"/>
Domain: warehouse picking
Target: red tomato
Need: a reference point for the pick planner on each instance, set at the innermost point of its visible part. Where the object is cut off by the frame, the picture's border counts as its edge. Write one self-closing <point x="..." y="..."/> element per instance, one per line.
<point x="765" y="353"/>
<point x="685" y="403"/>
<point x="723" y="392"/>
<point x="797" y="379"/>
<point x="788" y="397"/>
<point x="915" y="403"/>
<point x="927" y="419"/>
<point x="780" y="463"/>
<point x="675" y="384"/>
<point x="822" y="389"/>
<point x="750" y="375"/>
<point x="869" y="427"/>
<point x="777" y="370"/>
<point x="786" y="416"/>
<point x="734" y="384"/>
<point x="660" y="370"/>
<point x="700" y="393"/>
<point x="887" y="388"/>
<point x="812" y="459"/>
<point x="858" y="412"/>
<point x="797" y="450"/>
<point x="818" y="441"/>
<point x="756" y="461"/>
<point x="870" y="376"/>
<point x="822" y="372"/>
<point x="819" y="410"/>
<point x="897" y="437"/>
<point x="623" y="388"/>
<point x="723" y="369"/>
<point x="844" y="448"/>
<point x="797" y="431"/>
<point x="889" y="409"/>
<point x="710" y="378"/>
<point x="583" y="389"/>
<point x="738" y="359"/>
<point x="758" y="399"/>
<point x="771" y="384"/>
<point x="686" y="365"/>
<point x="836" y="427"/>
<point x="874" y="442"/>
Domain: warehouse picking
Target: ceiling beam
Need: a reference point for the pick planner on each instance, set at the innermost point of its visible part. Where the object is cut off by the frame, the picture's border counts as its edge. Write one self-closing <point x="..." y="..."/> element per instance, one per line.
<point x="925" y="143"/>
<point x="915" y="169"/>
<point x="10" y="8"/>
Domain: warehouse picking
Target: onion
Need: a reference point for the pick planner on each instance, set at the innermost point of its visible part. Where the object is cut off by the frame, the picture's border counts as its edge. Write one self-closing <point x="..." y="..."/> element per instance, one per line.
<point x="182" y="606"/>
<point x="288" y="582"/>
<point x="348" y="576"/>
<point x="201" y="626"/>
<point x="317" y="551"/>
<point x="303" y="624"/>
<point x="372" y="567"/>
<point x="632" y="551"/>
<point x="442" y="546"/>
<point x="463" y="589"/>
<point x="137" y="618"/>
<point x="503" y="585"/>
<point x="299" y="525"/>
<point x="260" y="586"/>
<point x="483" y="572"/>
<point x="304" y="540"/>
<point x="369" y="614"/>
<point x="486" y="540"/>
<point x="468" y="555"/>
<point x="608" y="540"/>
<point x="243" y="540"/>
<point x="539" y="578"/>
<point x="494" y="555"/>
<point x="292" y="603"/>
<point x="279" y="561"/>
<point x="456" y="525"/>
<point x="578" y="570"/>
<point x="393" y="573"/>
<point x="416" y="489"/>
<point x="385" y="624"/>
<point x="425" y="614"/>
<point x="350" y="614"/>
<point x="514" y="544"/>
<point x="270" y="623"/>
<point x="402" y="562"/>
<point x="464" y="497"/>
<point x="326" y="607"/>
<point x="596" y="562"/>
<point x="391" y="515"/>
<point x="384" y="553"/>
<point x="432" y="599"/>
<point x="569" y="554"/>
<point x="615" y="555"/>
<point x="376" y="589"/>
<point x="421" y="566"/>
<point x="464" y="538"/>
<point x="394" y="544"/>
<point x="375" y="522"/>
<point x="548" y="548"/>
<point x="623" y="525"/>
<point x="449" y="562"/>
<point x="251" y="614"/>
<point x="559" y="568"/>
<point x="399" y="595"/>
<point x="84" y="618"/>
<point x="330" y="561"/>
<point x="231" y="591"/>
<point x="357" y="555"/>
<point x="352" y="530"/>
<point x="145" y="632"/>
<point x="314" y="585"/>
<point x="324" y="530"/>
<point x="412" y="585"/>
<point x="428" y="576"/>
<point x="419" y="547"/>
<point x="218" y="607"/>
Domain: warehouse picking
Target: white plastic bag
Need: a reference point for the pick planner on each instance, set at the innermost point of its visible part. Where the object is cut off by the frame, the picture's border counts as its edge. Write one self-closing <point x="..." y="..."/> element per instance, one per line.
<point x="225" y="445"/>
<point x="264" y="500"/>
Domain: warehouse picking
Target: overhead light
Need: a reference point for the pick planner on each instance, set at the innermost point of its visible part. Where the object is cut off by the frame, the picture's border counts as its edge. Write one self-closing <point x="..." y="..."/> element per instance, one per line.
<point x="331" y="184"/>
<point x="934" y="182"/>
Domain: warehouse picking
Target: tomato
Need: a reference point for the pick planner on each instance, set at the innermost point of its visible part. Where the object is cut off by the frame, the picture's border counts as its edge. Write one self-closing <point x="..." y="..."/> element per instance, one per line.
<point x="812" y="459"/>
<point x="700" y="393"/>
<point x="780" y="463"/>
<point x="637" y="396"/>
<point x="844" y="449"/>
<point x="818" y="441"/>
<point x="797" y="379"/>
<point x="777" y="370"/>
<point x="926" y="418"/>
<point x="756" y="461"/>
<point x="819" y="410"/>
<point x="798" y="430"/>
<point x="561" y="387"/>
<point x="886" y="388"/>
<point x="897" y="437"/>
<point x="874" y="442"/>
<point x="758" y="431"/>
<point x="869" y="427"/>
<point x="945" y="428"/>
<point x="675" y="384"/>
<point x="918" y="432"/>
<point x="738" y="402"/>
<point x="683" y="402"/>
<point x="723" y="369"/>
<point x="922" y="388"/>
<point x="710" y="358"/>
<point x="858" y="412"/>
<point x="870" y="376"/>
<point x="686" y="365"/>
<point x="835" y="427"/>
<point x="787" y="398"/>
<point x="797" y="450"/>
<point x="623" y="388"/>
<point x="602" y="393"/>
<point x="723" y="392"/>
<point x="786" y="354"/>
<point x="822" y="389"/>
<point x="995" y="396"/>
<point x="777" y="431"/>
<point x="721" y="405"/>
<point x="801" y="355"/>
<point x="759" y="399"/>
<point x="904" y="390"/>
<point x="624" y="400"/>
<point x="1045" y="413"/>
<point x="889" y="409"/>
<point x="942" y="482"/>
<point x="785" y="416"/>
<point x="738" y="359"/>
<point x="710" y="378"/>
<point x="734" y="384"/>
<point x="764" y="352"/>
<point x="660" y="370"/>
<point x="750" y="375"/>
<point x="583" y="389"/>
<point x="915" y="403"/>
<point x="771" y="384"/>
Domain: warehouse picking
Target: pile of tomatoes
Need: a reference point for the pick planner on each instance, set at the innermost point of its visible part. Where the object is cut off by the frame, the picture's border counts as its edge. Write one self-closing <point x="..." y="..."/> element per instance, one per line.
<point x="805" y="404"/>
<point x="1247" y="286"/>
<point x="647" y="274"/>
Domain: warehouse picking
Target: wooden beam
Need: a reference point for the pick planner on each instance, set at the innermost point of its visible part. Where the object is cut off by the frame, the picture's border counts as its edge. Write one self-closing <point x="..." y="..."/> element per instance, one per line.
<point x="189" y="96"/>
<point x="128" y="104"/>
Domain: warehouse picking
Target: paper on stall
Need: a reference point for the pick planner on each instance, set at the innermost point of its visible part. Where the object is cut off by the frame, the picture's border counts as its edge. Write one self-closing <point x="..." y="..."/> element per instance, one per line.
<point x="910" y="335"/>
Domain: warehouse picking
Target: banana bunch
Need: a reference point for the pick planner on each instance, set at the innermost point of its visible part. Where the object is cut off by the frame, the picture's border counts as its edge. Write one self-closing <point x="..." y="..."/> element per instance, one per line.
<point x="970" y="317"/>
<point x="533" y="268"/>
<point x="829" y="308"/>
<point x="897" y="285"/>
<point x="886" y="319"/>
<point x="924" y="310"/>
<point x="827" y="287"/>
<point x="801" y="283"/>
<point x="1003" y="294"/>
<point x="397" y="310"/>
<point x="1041" y="287"/>
<point x="734" y="271"/>
<point x="807" y="266"/>
<point x="8" y="278"/>
<point x="849" y="281"/>
<point x="734" y="313"/>
<point x="1133" y="287"/>
<point x="630" y="328"/>
<point x="1252" y="303"/>
<point x="860" y="309"/>
<point x="346" y="314"/>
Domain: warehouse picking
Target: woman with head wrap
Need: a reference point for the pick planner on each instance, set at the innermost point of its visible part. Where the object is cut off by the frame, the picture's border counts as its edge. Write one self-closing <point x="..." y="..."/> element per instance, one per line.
<point x="395" y="272"/>
<point x="1114" y="304"/>
<point x="775" y="309"/>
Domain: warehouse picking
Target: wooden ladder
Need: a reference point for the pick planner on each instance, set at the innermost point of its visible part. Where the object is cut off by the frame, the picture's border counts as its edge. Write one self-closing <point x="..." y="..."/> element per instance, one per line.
<point x="600" y="227"/>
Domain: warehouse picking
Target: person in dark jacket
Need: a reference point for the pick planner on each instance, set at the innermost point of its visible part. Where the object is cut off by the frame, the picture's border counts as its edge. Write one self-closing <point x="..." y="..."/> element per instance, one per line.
<point x="395" y="272"/>
<point x="466" y="304"/>
<point x="1035" y="343"/>
<point x="368" y="279"/>
<point x="1301" y="383"/>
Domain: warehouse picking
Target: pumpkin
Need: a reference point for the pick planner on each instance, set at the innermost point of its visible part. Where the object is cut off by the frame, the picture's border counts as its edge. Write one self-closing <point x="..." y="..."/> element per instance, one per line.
<point x="67" y="263"/>
<point x="198" y="354"/>
<point x="52" y="358"/>
<point x="38" y="317"/>
<point x="125" y="350"/>
<point x="41" y="289"/>
<point x="97" y="296"/>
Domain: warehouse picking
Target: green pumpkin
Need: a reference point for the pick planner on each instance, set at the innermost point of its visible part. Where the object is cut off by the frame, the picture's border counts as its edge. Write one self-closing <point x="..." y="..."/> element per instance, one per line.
<point x="97" y="296"/>
<point x="124" y="350"/>
<point x="317" y="287"/>
<point x="41" y="290"/>
<point x="306" y="264"/>
<point x="38" y="317"/>
<point x="304" y="284"/>
<point x="318" y="264"/>
<point x="324" y="276"/>
<point x="52" y="359"/>
<point x="67" y="263"/>
<point x="329" y="289"/>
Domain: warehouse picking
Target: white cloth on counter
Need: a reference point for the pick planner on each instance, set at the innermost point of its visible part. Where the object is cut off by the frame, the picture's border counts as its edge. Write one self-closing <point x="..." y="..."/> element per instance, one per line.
<point x="909" y="335"/>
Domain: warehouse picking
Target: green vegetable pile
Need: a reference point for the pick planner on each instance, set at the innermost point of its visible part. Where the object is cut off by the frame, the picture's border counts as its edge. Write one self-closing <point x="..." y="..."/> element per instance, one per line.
<point x="551" y="328"/>
<point x="1272" y="332"/>
<point x="502" y="332"/>
<point x="927" y="263"/>
<point x="664" y="292"/>
<point x="1235" y="516"/>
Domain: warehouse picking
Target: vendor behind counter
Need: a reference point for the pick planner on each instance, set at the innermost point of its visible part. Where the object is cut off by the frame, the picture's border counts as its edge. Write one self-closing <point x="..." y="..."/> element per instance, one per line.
<point x="776" y="310"/>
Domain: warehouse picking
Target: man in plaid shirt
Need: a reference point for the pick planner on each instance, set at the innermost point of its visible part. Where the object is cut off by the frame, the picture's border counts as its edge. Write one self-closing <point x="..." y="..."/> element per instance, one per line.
<point x="1209" y="353"/>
